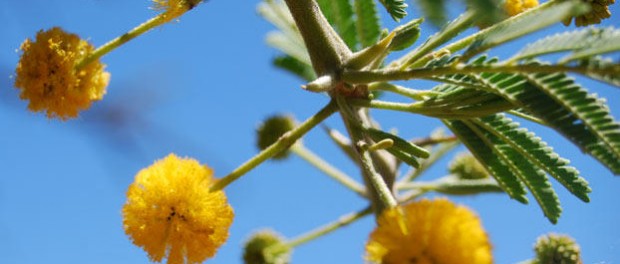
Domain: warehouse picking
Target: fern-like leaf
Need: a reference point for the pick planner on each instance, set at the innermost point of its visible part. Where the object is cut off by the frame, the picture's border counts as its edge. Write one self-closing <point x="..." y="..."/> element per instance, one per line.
<point x="368" y="24"/>
<point x="277" y="13"/>
<point x="537" y="152"/>
<point x="339" y="13"/>
<point x="534" y="178"/>
<point x="396" y="8"/>
<point x="565" y="106"/>
<point x="560" y="103"/>
<point x="497" y="167"/>
<point x="583" y="39"/>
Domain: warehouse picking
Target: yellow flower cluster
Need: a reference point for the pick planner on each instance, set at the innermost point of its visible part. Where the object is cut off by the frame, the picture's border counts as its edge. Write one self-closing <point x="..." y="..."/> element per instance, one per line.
<point x="429" y="232"/>
<point x="515" y="7"/>
<point x="47" y="76"/>
<point x="174" y="8"/>
<point x="170" y="211"/>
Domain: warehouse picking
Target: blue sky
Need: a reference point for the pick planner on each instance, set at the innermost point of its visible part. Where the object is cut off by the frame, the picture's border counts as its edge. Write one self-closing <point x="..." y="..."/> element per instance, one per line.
<point x="199" y="88"/>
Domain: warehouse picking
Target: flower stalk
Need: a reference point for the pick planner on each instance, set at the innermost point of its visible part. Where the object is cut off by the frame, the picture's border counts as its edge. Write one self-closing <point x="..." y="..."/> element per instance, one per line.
<point x="324" y="230"/>
<point x="117" y="42"/>
<point x="283" y="143"/>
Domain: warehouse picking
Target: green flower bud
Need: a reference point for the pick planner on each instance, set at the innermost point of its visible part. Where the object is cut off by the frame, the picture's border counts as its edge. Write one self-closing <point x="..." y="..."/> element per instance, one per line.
<point x="272" y="129"/>
<point x="557" y="249"/>
<point x="466" y="166"/>
<point x="266" y="247"/>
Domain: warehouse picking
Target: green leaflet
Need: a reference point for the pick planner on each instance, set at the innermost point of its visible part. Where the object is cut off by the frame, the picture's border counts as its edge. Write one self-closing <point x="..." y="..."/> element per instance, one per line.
<point x="498" y="168"/>
<point x="295" y="66"/>
<point x="525" y="24"/>
<point x="536" y="151"/>
<point x="590" y="41"/>
<point x="368" y="24"/>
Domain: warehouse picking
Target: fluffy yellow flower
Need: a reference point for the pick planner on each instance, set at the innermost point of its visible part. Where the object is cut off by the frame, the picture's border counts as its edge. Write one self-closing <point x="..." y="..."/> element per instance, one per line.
<point x="429" y="232"/>
<point x="174" y="8"/>
<point x="170" y="211"/>
<point x="515" y="7"/>
<point x="47" y="77"/>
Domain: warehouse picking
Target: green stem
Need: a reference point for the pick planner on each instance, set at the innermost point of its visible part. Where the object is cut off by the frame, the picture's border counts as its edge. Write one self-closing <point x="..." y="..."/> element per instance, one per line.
<point x="434" y="141"/>
<point x="528" y="117"/>
<point x="117" y="42"/>
<point x="381" y="194"/>
<point x="453" y="186"/>
<point x="404" y="91"/>
<point x="328" y="169"/>
<point x="282" y="144"/>
<point x="362" y="77"/>
<point x="439" y="112"/>
<point x="324" y="230"/>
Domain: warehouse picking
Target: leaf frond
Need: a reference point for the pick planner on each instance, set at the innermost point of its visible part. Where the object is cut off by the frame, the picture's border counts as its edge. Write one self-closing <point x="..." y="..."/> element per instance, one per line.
<point x="528" y="145"/>
<point x="486" y="156"/>
<point x="591" y="41"/>
<point x="368" y="24"/>
<point x="396" y="8"/>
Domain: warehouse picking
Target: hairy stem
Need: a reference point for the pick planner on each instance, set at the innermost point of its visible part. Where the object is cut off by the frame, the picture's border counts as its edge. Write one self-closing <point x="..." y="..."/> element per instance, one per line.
<point x="378" y="186"/>
<point x="327" y="50"/>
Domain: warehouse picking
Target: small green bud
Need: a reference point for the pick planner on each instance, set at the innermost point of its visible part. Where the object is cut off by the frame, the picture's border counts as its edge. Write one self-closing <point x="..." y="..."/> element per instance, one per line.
<point x="406" y="35"/>
<point x="467" y="167"/>
<point x="266" y="247"/>
<point x="272" y="129"/>
<point x="557" y="249"/>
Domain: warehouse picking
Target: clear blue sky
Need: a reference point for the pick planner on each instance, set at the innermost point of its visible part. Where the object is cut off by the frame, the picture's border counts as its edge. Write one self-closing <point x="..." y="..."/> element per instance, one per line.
<point x="199" y="88"/>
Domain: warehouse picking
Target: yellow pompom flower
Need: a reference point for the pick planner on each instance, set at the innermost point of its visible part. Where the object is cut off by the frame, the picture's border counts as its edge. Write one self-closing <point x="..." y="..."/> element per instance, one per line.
<point x="515" y="7"/>
<point x="47" y="76"/>
<point x="174" y="8"/>
<point x="429" y="232"/>
<point x="170" y="211"/>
